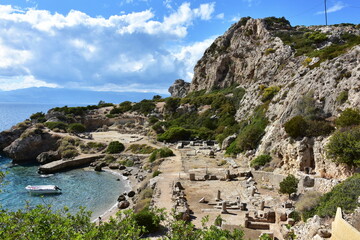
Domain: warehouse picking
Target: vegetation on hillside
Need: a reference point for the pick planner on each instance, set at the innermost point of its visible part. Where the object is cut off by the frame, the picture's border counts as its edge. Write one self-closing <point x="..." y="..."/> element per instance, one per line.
<point x="115" y="147"/>
<point x="201" y="116"/>
<point x="289" y="185"/>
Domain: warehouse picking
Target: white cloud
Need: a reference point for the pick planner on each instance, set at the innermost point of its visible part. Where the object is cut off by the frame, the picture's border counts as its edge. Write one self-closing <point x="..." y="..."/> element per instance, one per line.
<point x="252" y="2"/>
<point x="220" y="16"/>
<point x="20" y="82"/>
<point x="337" y="7"/>
<point x="38" y="48"/>
<point x="205" y="11"/>
<point x="191" y="54"/>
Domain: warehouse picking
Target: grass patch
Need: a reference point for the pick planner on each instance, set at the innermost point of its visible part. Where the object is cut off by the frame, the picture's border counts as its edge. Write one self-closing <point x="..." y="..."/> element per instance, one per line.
<point x="140" y="149"/>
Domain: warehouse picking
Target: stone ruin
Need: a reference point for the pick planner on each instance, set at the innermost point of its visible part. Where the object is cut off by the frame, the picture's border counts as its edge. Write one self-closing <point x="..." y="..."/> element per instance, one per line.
<point x="181" y="205"/>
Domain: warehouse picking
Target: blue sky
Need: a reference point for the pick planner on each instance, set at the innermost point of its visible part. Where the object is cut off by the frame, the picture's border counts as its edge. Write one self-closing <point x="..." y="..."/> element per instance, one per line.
<point x="129" y="45"/>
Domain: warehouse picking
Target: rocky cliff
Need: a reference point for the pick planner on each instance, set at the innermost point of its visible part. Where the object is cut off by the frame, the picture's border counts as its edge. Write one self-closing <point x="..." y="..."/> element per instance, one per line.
<point x="252" y="55"/>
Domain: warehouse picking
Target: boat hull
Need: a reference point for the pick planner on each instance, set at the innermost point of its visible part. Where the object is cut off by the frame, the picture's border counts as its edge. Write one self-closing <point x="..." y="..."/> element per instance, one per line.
<point x="43" y="189"/>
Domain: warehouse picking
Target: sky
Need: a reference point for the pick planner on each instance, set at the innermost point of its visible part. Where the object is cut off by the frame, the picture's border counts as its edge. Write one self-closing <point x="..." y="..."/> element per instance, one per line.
<point x="129" y="45"/>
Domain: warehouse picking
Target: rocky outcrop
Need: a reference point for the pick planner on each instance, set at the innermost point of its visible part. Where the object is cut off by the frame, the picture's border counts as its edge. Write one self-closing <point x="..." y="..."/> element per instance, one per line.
<point x="66" y="164"/>
<point x="47" y="157"/>
<point x="179" y="89"/>
<point x="251" y="56"/>
<point x="8" y="136"/>
<point x="30" y="144"/>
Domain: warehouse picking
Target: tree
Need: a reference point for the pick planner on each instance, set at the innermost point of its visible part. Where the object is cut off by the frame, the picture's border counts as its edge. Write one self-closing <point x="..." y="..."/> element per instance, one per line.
<point x="348" y="117"/>
<point x="289" y="184"/>
<point x="115" y="147"/>
<point x="296" y="127"/>
<point x="344" y="147"/>
<point x="76" y="128"/>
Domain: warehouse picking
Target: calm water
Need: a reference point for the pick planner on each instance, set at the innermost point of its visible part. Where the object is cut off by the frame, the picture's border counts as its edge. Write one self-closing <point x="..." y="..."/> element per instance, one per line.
<point x="93" y="190"/>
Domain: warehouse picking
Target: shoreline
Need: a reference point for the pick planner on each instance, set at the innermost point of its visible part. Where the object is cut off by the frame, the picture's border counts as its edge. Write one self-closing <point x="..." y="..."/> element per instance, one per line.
<point x="111" y="212"/>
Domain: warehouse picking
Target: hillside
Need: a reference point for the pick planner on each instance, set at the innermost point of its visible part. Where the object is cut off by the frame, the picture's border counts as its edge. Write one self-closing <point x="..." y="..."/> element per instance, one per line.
<point x="309" y="71"/>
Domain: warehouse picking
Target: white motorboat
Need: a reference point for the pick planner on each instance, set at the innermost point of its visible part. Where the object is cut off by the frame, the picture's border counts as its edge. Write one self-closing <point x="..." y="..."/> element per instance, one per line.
<point x="43" y="189"/>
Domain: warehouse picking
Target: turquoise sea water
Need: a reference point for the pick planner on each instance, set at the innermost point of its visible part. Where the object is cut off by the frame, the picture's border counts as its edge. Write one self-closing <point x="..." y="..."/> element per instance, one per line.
<point x="93" y="190"/>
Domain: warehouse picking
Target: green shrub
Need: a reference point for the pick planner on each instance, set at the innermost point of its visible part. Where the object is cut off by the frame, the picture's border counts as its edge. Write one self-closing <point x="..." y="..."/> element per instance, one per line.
<point x="295" y="215"/>
<point x="344" y="195"/>
<point x="69" y="153"/>
<point x="76" y="128"/>
<point x="269" y="51"/>
<point x="148" y="219"/>
<point x="175" y="134"/>
<point x="251" y="133"/>
<point x="348" y="117"/>
<point x="92" y="147"/>
<point x="318" y="128"/>
<point x="171" y="104"/>
<point x="289" y="185"/>
<point x="38" y="117"/>
<point x="159" y="127"/>
<point x="115" y="110"/>
<point x="344" y="147"/>
<point x="127" y="162"/>
<point x="140" y="149"/>
<point x="260" y="160"/>
<point x="296" y="127"/>
<point x="269" y="93"/>
<point x="115" y="147"/>
<point x="156" y="173"/>
<point x="161" y="153"/>
<point x="53" y="125"/>
<point x="145" y="107"/>
<point x="343" y="97"/>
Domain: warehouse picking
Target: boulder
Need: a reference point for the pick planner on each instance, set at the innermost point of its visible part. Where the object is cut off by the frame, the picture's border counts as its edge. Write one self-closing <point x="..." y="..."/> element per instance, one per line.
<point x="131" y="194"/>
<point x="122" y="167"/>
<point x="308" y="182"/>
<point x="227" y="141"/>
<point x="27" y="148"/>
<point x="179" y="89"/>
<point x="98" y="168"/>
<point x="153" y="182"/>
<point x="47" y="157"/>
<point x="114" y="165"/>
<point x="121" y="198"/>
<point x="123" y="204"/>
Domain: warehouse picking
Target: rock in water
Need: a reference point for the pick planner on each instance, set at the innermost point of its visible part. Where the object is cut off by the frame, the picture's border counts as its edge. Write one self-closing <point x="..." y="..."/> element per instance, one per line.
<point x="179" y="89"/>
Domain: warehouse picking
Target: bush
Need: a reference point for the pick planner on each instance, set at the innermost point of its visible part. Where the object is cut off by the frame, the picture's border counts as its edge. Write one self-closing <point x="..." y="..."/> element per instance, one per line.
<point x="145" y="107"/>
<point x="69" y="153"/>
<point x="260" y="160"/>
<point x="171" y="104"/>
<point x="250" y="134"/>
<point x="269" y="93"/>
<point x="175" y="134"/>
<point x="343" y="97"/>
<point x="92" y="147"/>
<point x="269" y="51"/>
<point x="38" y="117"/>
<point x="161" y="153"/>
<point x="289" y="185"/>
<point x="348" y="117"/>
<point x="140" y="149"/>
<point x="156" y="173"/>
<point x="115" y="147"/>
<point x="53" y="125"/>
<point x="318" y="128"/>
<point x="296" y="127"/>
<point x="147" y="219"/>
<point x="307" y="203"/>
<point x="76" y="128"/>
<point x="344" y="195"/>
<point x="344" y="147"/>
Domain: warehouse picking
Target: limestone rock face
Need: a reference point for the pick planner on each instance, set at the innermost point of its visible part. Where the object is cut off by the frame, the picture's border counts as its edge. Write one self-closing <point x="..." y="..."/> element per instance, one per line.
<point x="27" y="148"/>
<point x="250" y="55"/>
<point x="179" y="89"/>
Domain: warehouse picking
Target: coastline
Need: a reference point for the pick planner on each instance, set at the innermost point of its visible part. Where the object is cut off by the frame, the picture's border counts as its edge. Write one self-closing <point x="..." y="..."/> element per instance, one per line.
<point x="128" y="186"/>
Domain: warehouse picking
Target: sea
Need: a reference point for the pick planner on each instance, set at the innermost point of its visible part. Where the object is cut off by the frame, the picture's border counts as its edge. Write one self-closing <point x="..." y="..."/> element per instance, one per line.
<point x="96" y="191"/>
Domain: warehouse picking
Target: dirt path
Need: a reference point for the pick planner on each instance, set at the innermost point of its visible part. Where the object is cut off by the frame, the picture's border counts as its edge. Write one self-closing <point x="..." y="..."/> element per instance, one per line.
<point x="171" y="170"/>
